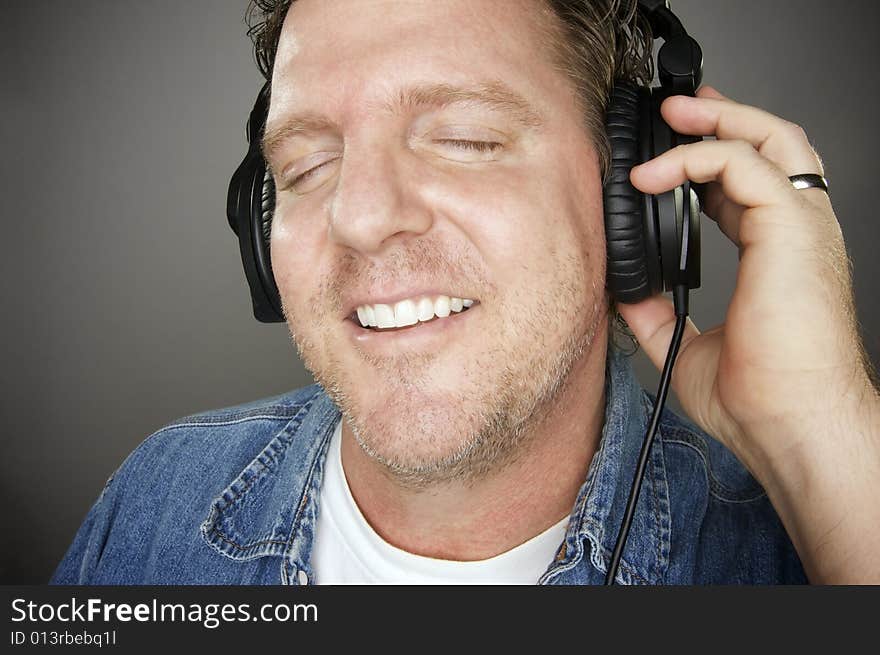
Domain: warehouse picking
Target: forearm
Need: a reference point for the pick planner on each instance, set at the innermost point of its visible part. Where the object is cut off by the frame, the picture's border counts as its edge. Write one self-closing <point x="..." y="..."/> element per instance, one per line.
<point x="827" y="493"/>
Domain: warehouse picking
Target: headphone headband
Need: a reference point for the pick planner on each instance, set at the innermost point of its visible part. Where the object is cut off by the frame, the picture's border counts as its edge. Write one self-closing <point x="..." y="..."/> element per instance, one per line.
<point x="680" y="60"/>
<point x="664" y="24"/>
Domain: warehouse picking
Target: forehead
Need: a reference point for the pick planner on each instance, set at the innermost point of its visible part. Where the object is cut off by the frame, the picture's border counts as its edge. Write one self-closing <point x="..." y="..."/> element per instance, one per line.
<point x="348" y="48"/>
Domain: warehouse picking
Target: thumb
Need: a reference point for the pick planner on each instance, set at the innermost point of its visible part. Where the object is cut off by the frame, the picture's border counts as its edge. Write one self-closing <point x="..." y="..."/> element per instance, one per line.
<point x="652" y="321"/>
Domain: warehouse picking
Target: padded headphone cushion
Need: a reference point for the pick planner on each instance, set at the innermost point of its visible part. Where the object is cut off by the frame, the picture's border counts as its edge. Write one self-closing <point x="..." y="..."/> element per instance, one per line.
<point x="268" y="207"/>
<point x="627" y="275"/>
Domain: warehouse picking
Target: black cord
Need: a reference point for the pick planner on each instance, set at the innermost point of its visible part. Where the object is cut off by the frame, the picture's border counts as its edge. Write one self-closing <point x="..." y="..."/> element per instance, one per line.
<point x="680" y="299"/>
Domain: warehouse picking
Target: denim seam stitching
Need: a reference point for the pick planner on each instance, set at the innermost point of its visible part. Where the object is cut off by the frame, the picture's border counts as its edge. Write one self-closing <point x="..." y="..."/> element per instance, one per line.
<point x="241" y="419"/>
<point x="215" y="529"/>
<point x="664" y="513"/>
<point x="716" y="489"/>
<point x="589" y="530"/>
<point x="578" y="555"/>
<point x="655" y="482"/>
<point x="556" y="571"/>
<point x="307" y="487"/>
<point x="258" y="475"/>
<point x="589" y="524"/>
<point x="657" y="544"/>
<point x="623" y="565"/>
<point x="287" y="559"/>
<point x="171" y="427"/>
<point x="222" y="537"/>
<point x="285" y="410"/>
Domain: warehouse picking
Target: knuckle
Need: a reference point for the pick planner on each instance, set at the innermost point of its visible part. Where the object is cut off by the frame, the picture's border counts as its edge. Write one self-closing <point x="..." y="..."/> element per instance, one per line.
<point x="685" y="148"/>
<point x="818" y="160"/>
<point x="794" y="131"/>
<point x="742" y="147"/>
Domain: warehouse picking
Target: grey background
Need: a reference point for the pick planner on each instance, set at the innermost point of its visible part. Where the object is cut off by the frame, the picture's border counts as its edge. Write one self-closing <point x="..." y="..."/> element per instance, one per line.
<point x="124" y="303"/>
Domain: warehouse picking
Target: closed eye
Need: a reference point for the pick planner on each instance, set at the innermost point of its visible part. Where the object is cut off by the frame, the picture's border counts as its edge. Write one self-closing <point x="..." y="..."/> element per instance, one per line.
<point x="303" y="182"/>
<point x="466" y="144"/>
<point x="302" y="177"/>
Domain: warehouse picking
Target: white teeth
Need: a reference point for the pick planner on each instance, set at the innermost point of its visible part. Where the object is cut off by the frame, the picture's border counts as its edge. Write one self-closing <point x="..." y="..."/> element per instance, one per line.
<point x="426" y="309"/>
<point x="405" y="313"/>
<point x="441" y="306"/>
<point x="384" y="316"/>
<point x="410" y="311"/>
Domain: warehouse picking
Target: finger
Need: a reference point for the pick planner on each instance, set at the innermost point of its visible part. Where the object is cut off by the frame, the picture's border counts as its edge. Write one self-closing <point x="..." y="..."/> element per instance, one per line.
<point x="707" y="91"/>
<point x="780" y="141"/>
<point x="696" y="368"/>
<point x="726" y="213"/>
<point x="746" y="177"/>
<point x="652" y="321"/>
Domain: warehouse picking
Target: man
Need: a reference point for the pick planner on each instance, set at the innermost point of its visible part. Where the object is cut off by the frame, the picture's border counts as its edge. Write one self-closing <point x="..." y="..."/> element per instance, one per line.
<point x="444" y="160"/>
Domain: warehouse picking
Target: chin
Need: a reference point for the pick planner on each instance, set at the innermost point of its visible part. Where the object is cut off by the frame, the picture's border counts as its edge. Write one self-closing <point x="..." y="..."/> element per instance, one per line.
<point x="412" y="429"/>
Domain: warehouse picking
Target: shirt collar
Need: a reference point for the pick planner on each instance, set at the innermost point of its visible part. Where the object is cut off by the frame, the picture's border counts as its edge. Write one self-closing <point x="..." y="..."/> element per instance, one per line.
<point x="599" y="508"/>
<point x="271" y="507"/>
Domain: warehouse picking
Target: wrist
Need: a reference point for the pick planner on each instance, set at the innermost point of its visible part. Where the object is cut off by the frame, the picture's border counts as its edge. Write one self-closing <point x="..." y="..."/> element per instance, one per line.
<point x="823" y="483"/>
<point x="799" y="444"/>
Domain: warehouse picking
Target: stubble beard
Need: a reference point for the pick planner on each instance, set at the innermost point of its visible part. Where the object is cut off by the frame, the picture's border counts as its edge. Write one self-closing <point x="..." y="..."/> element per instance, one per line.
<point x="424" y="438"/>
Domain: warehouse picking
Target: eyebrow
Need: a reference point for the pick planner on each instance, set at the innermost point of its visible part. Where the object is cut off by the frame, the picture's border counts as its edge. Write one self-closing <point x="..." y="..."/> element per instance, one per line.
<point x="495" y="95"/>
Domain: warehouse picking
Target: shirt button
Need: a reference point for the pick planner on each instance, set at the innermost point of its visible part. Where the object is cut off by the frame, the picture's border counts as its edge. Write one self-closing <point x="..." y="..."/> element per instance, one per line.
<point x="302" y="577"/>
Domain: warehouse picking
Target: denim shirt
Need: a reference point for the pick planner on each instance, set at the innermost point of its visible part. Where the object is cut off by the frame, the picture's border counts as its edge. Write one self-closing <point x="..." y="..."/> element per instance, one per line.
<point x="232" y="497"/>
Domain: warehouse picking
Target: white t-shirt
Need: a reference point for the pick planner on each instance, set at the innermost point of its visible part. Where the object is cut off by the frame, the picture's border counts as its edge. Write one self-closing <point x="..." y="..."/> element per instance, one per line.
<point x="348" y="551"/>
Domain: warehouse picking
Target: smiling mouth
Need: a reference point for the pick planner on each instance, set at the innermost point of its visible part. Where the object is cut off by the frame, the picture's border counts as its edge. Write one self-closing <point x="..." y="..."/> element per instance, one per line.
<point x="354" y="319"/>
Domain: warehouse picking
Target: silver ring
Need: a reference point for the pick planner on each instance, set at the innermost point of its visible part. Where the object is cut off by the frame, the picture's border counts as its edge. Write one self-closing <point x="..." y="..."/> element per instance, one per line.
<point x="809" y="181"/>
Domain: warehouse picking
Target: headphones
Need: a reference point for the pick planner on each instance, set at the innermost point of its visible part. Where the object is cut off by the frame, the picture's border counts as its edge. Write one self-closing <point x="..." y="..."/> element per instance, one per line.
<point x="653" y="241"/>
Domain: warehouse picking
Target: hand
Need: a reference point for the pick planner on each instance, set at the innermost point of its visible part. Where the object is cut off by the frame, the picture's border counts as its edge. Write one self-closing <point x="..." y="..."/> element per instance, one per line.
<point x="784" y="381"/>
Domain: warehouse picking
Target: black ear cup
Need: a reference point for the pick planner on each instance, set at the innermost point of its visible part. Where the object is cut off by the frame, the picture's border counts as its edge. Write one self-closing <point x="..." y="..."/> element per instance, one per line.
<point x="263" y="213"/>
<point x="653" y="242"/>
<point x="250" y="207"/>
<point x="634" y="271"/>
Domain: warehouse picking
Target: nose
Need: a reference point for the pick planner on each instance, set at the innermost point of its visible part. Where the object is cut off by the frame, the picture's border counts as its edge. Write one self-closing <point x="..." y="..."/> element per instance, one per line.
<point x="376" y="200"/>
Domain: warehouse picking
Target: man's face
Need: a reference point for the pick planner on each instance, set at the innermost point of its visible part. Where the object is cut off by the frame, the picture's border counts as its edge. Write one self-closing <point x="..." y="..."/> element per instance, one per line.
<point x="426" y="149"/>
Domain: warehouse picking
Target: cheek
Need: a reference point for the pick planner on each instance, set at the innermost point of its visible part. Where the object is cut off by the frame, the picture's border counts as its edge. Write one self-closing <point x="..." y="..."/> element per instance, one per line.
<point x="295" y="251"/>
<point x="523" y="222"/>
<point x="287" y="264"/>
<point x="588" y="228"/>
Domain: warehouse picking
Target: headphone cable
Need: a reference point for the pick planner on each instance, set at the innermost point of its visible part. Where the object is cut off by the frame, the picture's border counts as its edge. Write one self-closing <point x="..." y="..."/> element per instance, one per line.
<point x="680" y="300"/>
